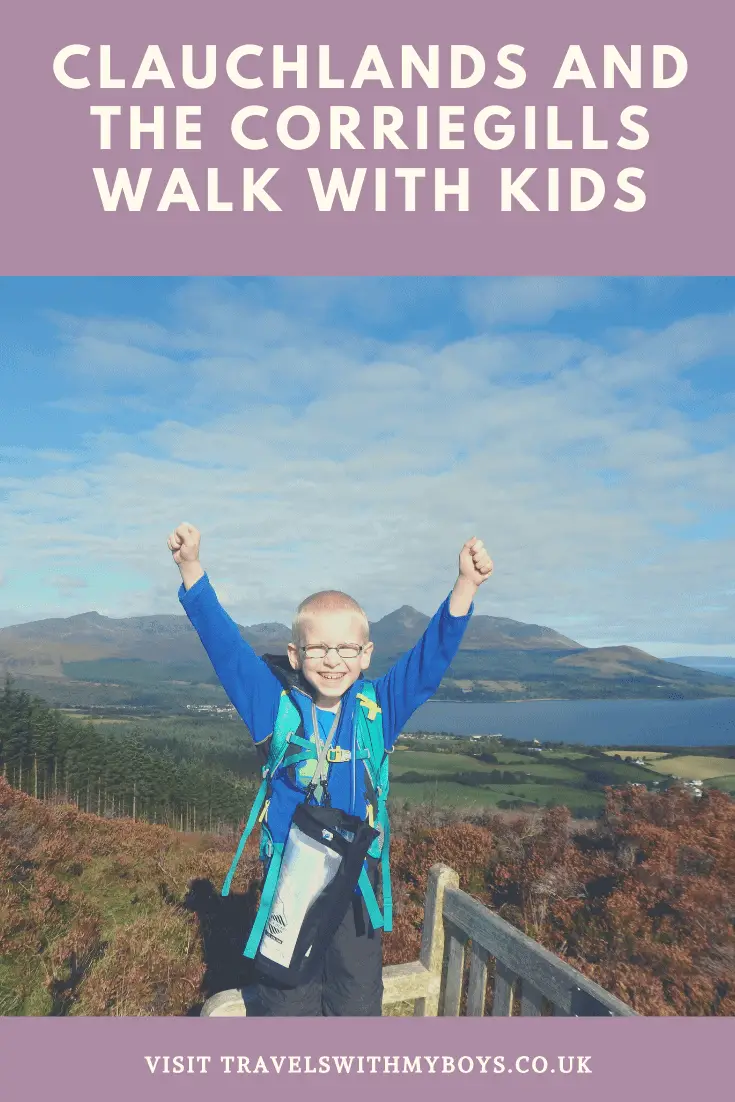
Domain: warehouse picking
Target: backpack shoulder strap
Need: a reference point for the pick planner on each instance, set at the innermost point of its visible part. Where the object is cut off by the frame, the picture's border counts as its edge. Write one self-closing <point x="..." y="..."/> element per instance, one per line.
<point x="369" y="701"/>
<point x="288" y="721"/>
<point x="372" y="748"/>
<point x="370" y="728"/>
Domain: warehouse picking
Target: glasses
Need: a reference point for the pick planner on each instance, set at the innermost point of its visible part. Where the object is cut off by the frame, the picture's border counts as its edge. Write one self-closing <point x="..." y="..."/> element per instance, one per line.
<point x="344" y="650"/>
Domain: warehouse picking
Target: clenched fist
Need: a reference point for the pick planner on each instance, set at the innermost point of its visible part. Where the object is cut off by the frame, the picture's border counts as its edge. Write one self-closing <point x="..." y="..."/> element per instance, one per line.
<point x="474" y="562"/>
<point x="184" y="543"/>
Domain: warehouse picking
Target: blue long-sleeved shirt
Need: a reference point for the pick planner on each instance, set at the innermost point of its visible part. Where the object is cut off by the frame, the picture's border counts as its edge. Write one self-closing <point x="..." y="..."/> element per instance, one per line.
<point x="255" y="692"/>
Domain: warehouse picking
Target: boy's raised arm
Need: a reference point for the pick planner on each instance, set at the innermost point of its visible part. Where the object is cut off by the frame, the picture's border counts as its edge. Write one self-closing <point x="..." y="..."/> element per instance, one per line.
<point x="416" y="676"/>
<point x="250" y="685"/>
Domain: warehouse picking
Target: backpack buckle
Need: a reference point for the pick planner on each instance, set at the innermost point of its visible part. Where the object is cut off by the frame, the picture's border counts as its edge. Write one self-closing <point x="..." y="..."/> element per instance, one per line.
<point x="338" y="754"/>
<point x="370" y="705"/>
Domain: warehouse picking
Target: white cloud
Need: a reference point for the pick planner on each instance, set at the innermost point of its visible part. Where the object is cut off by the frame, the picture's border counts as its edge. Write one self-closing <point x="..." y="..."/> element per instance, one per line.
<point x="312" y="457"/>
<point x="16" y="453"/>
<point x="530" y="300"/>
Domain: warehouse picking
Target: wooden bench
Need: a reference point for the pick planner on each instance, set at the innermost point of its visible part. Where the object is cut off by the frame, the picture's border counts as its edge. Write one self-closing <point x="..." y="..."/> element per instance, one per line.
<point x="527" y="978"/>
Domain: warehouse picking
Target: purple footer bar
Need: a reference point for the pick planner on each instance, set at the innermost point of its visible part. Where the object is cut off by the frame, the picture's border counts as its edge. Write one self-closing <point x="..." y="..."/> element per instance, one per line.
<point x="164" y="1058"/>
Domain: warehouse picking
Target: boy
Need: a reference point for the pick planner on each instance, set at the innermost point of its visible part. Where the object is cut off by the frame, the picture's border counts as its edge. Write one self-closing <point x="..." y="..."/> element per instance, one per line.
<point x="327" y="658"/>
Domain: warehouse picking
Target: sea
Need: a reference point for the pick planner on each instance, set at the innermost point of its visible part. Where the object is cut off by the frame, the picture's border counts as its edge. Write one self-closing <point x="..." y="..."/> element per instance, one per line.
<point x="632" y="723"/>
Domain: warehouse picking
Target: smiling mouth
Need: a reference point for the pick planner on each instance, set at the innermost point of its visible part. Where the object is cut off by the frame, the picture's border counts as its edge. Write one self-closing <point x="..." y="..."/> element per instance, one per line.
<point x="332" y="676"/>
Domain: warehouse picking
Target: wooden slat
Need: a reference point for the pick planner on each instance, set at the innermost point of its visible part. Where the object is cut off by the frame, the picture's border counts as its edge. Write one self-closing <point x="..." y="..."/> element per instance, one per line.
<point x="402" y="982"/>
<point x="562" y="985"/>
<point x="455" y="971"/>
<point x="431" y="955"/>
<point x="477" y="983"/>
<point x="503" y="991"/>
<point x="583" y="1006"/>
<point x="531" y="1000"/>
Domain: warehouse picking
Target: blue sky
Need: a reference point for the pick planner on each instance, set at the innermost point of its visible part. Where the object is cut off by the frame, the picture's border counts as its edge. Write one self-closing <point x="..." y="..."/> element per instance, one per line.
<point x="352" y="433"/>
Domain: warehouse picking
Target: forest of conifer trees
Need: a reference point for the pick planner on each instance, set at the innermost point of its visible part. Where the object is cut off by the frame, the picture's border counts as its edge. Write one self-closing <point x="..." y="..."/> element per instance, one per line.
<point x="52" y="756"/>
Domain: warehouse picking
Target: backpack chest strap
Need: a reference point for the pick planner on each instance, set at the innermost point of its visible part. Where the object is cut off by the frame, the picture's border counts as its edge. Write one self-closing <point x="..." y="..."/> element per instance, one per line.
<point x="304" y="743"/>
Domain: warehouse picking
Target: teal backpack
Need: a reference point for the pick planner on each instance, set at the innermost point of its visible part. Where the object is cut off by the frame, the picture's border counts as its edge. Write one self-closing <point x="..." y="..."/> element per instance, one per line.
<point x="371" y="749"/>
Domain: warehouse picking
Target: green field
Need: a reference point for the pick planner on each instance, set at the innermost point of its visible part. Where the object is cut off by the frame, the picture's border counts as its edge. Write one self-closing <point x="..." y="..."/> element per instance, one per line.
<point x="446" y="793"/>
<point x="543" y="795"/>
<point x="403" y="760"/>
<point x="726" y="784"/>
<point x="441" y="765"/>
<point x="451" y="776"/>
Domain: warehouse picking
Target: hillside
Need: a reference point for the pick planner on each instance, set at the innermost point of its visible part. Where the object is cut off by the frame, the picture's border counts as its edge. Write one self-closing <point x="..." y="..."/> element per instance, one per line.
<point x="113" y="918"/>
<point x="157" y="662"/>
<point x="115" y="839"/>
<point x="400" y="629"/>
<point x="45" y="647"/>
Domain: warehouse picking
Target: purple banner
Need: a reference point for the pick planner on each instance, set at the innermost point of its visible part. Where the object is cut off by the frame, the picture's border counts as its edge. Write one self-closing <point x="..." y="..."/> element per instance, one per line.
<point x="547" y="1059"/>
<point x="532" y="138"/>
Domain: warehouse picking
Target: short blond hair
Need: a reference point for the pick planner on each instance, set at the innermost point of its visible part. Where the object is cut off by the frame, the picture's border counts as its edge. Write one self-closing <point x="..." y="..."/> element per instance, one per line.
<point x="328" y="600"/>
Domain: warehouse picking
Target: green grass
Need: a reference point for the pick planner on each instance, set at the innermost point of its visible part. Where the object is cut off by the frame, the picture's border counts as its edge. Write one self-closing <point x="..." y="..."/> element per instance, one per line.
<point x="135" y="671"/>
<point x="552" y="765"/>
<point x="22" y="990"/>
<point x="441" y="793"/>
<point x="120" y="900"/>
<point x="551" y="778"/>
<point x="512" y="757"/>
<point x="444" y="793"/>
<point x="552" y="795"/>
<point x="550" y="769"/>
<point x="564" y="752"/>
<point x="439" y="764"/>
<point x="726" y="784"/>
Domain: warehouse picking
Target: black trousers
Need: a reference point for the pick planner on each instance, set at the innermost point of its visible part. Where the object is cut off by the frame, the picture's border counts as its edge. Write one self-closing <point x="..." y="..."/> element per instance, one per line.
<point x="350" y="983"/>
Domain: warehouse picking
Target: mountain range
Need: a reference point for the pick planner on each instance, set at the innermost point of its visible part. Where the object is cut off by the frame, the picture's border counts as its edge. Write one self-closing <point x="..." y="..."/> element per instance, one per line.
<point x="89" y="657"/>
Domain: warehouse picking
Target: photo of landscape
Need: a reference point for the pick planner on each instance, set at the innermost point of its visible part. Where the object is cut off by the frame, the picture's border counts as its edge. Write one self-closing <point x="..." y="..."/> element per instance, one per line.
<point x="576" y="767"/>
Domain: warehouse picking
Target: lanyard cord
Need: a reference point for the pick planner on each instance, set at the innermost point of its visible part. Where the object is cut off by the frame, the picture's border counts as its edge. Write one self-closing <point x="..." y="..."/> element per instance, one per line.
<point x="318" y="781"/>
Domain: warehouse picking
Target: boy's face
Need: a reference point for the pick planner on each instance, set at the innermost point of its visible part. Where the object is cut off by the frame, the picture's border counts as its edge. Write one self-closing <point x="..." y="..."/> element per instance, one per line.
<point x="331" y="675"/>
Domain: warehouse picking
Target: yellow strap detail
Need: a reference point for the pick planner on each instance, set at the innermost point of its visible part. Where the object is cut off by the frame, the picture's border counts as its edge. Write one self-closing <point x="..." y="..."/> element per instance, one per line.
<point x="370" y="815"/>
<point x="370" y="705"/>
<point x="264" y="812"/>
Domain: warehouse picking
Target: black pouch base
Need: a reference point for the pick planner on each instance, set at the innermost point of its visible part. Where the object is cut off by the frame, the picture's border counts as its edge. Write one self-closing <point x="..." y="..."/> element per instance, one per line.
<point x="327" y="911"/>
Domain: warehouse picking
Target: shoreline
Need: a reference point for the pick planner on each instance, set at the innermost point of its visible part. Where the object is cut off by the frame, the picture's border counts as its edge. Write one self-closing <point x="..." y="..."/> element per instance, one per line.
<point x="585" y="700"/>
<point x="656" y="723"/>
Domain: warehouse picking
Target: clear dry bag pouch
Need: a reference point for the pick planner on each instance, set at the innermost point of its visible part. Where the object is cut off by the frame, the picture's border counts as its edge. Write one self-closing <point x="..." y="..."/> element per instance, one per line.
<point x="321" y="864"/>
